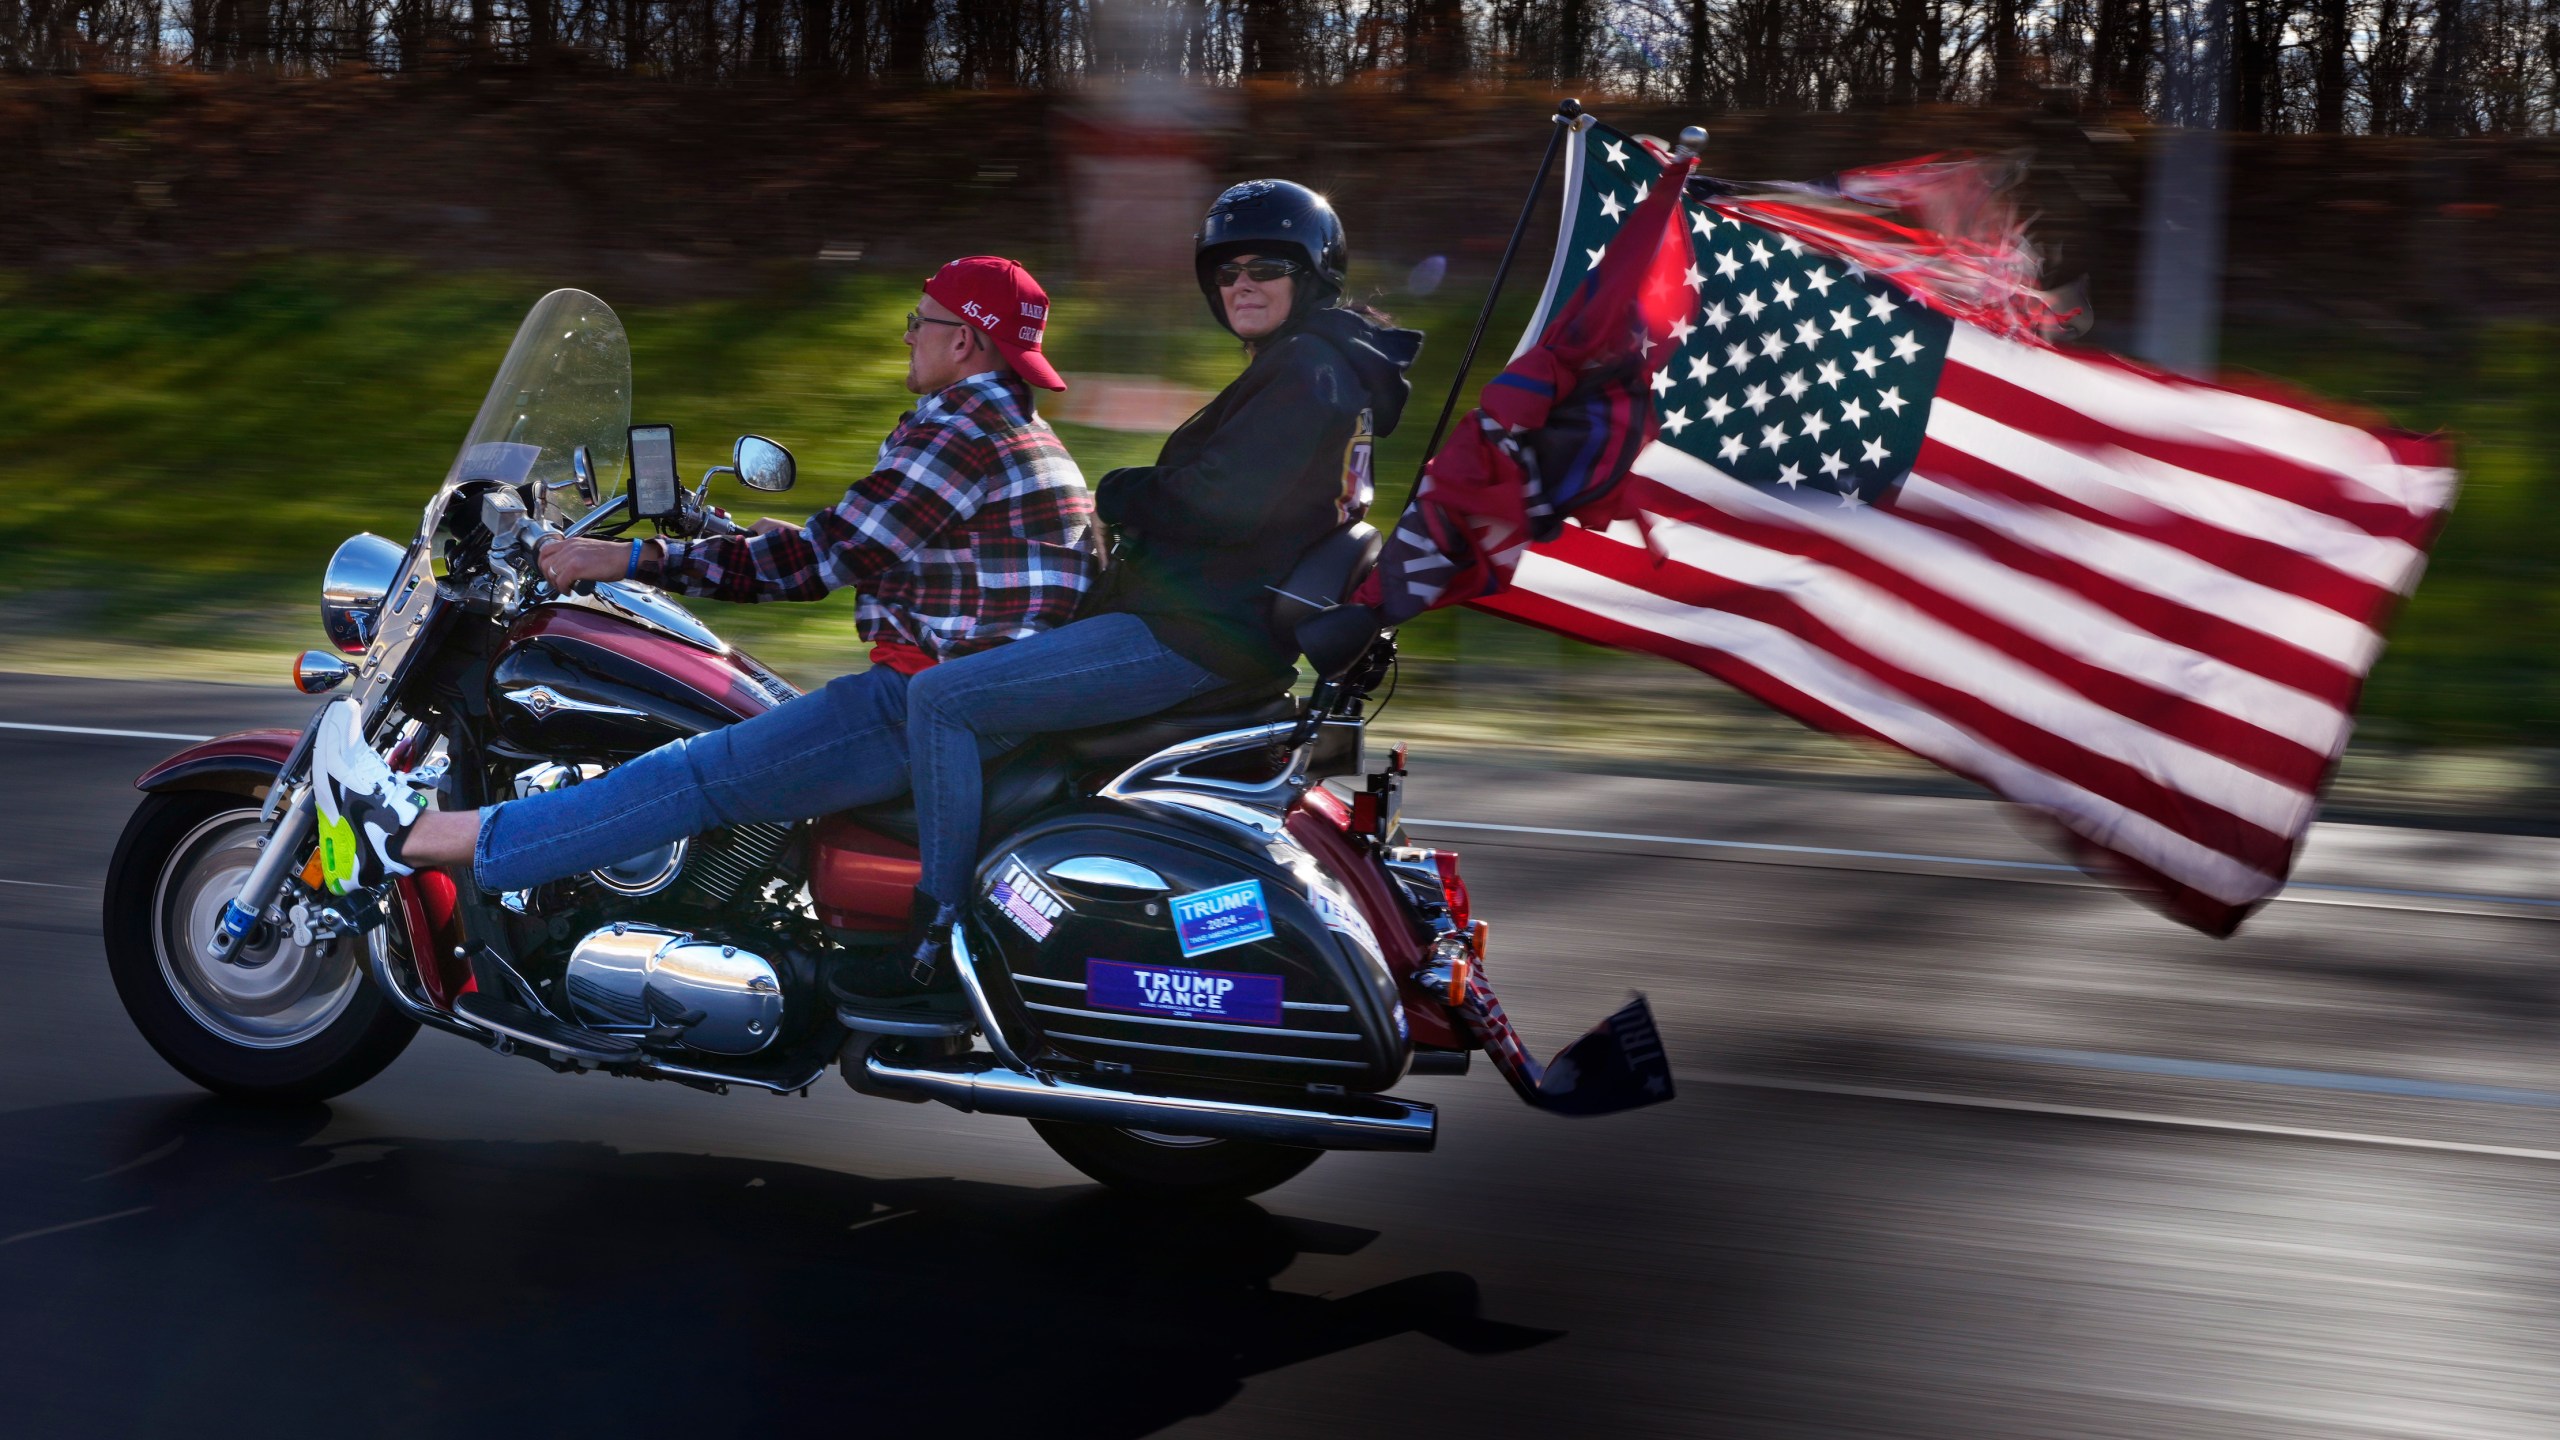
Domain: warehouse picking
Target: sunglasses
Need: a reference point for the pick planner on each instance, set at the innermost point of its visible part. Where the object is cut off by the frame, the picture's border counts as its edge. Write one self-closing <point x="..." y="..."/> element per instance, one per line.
<point x="1261" y="272"/>
<point x="914" y="320"/>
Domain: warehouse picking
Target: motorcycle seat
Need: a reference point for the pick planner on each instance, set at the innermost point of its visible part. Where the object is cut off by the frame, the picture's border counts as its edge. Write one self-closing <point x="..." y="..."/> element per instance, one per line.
<point x="1035" y="775"/>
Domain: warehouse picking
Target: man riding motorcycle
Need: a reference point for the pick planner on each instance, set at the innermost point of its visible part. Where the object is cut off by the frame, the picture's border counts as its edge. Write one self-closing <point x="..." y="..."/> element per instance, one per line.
<point x="1273" y="464"/>
<point x="973" y="530"/>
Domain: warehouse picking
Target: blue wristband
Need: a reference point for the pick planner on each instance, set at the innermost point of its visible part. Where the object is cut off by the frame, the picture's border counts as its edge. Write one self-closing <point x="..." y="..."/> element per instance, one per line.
<point x="632" y="570"/>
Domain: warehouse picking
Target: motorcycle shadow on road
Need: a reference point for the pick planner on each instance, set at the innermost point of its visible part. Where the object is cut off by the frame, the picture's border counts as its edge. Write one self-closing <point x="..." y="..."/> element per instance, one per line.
<point x="177" y="1267"/>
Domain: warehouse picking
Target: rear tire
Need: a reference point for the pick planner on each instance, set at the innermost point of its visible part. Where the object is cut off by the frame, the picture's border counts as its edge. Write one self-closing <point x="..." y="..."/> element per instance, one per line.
<point x="293" y="1027"/>
<point x="1175" y="1167"/>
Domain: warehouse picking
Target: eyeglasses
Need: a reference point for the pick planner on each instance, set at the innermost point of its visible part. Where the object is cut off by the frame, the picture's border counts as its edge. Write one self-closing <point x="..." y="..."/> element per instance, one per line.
<point x="1262" y="272"/>
<point x="914" y="320"/>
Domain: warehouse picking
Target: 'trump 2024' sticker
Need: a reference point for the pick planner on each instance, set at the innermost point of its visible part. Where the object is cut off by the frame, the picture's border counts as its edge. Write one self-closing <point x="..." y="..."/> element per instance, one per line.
<point x="1183" y="993"/>
<point x="1209" y="920"/>
<point x="1025" y="901"/>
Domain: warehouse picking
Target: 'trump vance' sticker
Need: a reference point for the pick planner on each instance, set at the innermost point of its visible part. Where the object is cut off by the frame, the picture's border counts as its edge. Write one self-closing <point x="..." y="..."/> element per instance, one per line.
<point x="1185" y="994"/>
<point x="1209" y="920"/>
<point x="1025" y="901"/>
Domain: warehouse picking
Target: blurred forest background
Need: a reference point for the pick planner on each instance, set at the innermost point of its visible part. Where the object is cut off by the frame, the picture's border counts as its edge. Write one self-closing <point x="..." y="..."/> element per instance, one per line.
<point x="263" y="254"/>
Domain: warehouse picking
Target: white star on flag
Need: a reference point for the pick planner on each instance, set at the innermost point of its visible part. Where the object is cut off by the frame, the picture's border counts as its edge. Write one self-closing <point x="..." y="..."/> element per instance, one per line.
<point x="1820" y="280"/>
<point x="1752" y="305"/>
<point x="1717" y="316"/>
<point x="1844" y="319"/>
<point x="1828" y="372"/>
<point x="1772" y="436"/>
<point x="1718" y="407"/>
<point x="1681" y="330"/>
<point x="1791" y="475"/>
<point x="1808" y="334"/>
<point x="1595" y="255"/>
<point x="1700" y="367"/>
<point x="1851" y="500"/>
<point x="1759" y="254"/>
<point x="1610" y="209"/>
<point x="1852" y="413"/>
<point x="1873" y="452"/>
<point x="1695" y="280"/>
<point x="1726" y="266"/>
<point x="1792" y="245"/>
<point x="1892" y="399"/>
<point x="1904" y="347"/>
<point x="1784" y="294"/>
<point x="1737" y="356"/>
<point x="1795" y="385"/>
<point x="1773" y="344"/>
<point x="1617" y="154"/>
<point x="1701" y="223"/>
<point x="1815" y="425"/>
<point x="1662" y="382"/>
<point x="1732" y="448"/>
<point x="1676" y="421"/>
<point x="1832" y="464"/>
<point x="1865" y="361"/>
<point x="1757" y="397"/>
<point x="1880" y="307"/>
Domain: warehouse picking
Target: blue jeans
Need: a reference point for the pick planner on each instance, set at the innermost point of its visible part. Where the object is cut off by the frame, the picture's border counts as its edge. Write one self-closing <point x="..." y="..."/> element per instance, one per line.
<point x="833" y="748"/>
<point x="1092" y="672"/>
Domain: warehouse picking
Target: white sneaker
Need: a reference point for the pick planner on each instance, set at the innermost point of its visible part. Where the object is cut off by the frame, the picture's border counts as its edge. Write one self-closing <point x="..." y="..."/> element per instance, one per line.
<point x="364" y="808"/>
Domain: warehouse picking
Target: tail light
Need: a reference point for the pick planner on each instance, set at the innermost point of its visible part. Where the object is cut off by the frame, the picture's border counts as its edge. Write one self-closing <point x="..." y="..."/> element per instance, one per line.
<point x="1452" y="887"/>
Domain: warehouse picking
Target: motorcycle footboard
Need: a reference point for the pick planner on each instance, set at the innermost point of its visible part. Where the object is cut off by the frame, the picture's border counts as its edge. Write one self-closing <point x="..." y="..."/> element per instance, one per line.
<point x="1618" y="1065"/>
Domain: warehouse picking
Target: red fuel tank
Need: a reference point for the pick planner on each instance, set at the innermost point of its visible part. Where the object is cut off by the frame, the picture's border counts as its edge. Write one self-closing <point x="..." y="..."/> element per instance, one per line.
<point x="859" y="879"/>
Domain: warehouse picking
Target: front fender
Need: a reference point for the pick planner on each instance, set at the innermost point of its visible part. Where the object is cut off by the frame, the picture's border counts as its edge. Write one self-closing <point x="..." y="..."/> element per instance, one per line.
<point x="244" y="763"/>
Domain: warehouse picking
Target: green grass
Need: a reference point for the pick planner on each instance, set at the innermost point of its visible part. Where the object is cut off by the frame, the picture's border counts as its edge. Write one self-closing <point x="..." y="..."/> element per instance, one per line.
<point x="181" y="454"/>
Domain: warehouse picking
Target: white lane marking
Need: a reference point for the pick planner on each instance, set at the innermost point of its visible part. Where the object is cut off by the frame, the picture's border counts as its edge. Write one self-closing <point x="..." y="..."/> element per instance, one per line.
<point x="74" y="1225"/>
<point x="45" y="885"/>
<point x="2074" y="872"/>
<point x="2260" y="1074"/>
<point x="93" y="730"/>
<point x="2129" y="1117"/>
<point x="138" y="1161"/>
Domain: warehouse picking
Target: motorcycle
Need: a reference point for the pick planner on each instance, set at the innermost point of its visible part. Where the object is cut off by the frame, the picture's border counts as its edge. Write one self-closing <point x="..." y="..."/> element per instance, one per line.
<point x="1188" y="960"/>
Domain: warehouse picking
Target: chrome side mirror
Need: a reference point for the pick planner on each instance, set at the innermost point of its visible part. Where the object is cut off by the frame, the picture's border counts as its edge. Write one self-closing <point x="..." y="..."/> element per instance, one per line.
<point x="317" y="672"/>
<point x="763" y="465"/>
<point x="582" y="467"/>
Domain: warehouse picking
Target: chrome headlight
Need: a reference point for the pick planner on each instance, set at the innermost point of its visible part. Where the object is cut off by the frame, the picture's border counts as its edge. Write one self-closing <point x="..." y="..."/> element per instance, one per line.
<point x="353" y="588"/>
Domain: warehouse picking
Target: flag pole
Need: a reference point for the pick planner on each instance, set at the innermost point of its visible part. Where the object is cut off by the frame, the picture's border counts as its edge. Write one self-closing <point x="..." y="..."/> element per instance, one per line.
<point x="1567" y="112"/>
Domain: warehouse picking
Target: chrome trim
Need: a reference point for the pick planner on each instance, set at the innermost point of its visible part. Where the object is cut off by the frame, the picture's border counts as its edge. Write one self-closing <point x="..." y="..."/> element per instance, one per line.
<point x="317" y="672"/>
<point x="1092" y="1014"/>
<point x="1366" y="1122"/>
<point x="657" y="610"/>
<point x="1108" y="872"/>
<point x="1162" y="772"/>
<point x="542" y="700"/>
<point x="1020" y="978"/>
<point x="1204" y="1050"/>
<point x="595" y="517"/>
<point x="378" y="964"/>
<point x="687" y="1072"/>
<point x="962" y="961"/>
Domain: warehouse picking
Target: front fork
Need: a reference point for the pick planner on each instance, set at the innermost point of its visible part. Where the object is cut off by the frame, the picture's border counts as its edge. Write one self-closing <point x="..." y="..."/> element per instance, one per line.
<point x="266" y="877"/>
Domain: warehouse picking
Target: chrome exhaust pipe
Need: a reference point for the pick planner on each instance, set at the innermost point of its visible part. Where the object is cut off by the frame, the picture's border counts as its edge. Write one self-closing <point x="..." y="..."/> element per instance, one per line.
<point x="1363" y="1122"/>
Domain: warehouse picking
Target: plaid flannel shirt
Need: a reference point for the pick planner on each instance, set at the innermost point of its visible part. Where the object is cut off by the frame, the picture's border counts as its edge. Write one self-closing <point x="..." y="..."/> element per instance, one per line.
<point x="975" y="528"/>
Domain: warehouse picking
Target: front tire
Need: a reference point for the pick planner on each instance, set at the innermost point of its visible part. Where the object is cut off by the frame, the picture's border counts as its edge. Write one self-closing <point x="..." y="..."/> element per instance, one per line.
<point x="1175" y="1167"/>
<point x="289" y="1025"/>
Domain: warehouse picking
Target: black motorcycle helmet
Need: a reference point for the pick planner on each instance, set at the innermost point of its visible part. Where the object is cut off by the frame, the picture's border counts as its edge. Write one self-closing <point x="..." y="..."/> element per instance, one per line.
<point x="1262" y="216"/>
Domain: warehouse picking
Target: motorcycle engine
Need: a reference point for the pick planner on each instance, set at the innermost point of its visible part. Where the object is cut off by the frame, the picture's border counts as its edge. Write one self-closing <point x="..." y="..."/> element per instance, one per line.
<point x="639" y="978"/>
<point x="711" y="870"/>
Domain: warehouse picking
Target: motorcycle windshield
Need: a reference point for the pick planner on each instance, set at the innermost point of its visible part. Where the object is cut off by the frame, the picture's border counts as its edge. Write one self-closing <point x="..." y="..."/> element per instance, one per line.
<point x="566" y="382"/>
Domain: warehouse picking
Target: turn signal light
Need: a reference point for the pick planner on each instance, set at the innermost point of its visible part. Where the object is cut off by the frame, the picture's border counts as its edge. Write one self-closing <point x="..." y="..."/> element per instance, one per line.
<point x="317" y="672"/>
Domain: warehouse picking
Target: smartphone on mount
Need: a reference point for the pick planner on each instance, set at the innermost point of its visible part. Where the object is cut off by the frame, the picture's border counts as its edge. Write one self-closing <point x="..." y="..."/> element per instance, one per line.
<point x="656" y="492"/>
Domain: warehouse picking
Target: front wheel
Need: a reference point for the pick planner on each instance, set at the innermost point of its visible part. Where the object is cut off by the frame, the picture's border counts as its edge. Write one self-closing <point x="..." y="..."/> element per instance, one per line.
<point x="1175" y="1167"/>
<point x="280" y="1022"/>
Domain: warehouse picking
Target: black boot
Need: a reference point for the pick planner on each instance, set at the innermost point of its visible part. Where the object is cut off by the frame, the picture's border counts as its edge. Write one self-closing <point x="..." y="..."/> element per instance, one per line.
<point x="916" y="964"/>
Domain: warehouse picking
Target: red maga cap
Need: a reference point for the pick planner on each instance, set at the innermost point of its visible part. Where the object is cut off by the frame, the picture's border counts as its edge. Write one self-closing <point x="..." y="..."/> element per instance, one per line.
<point x="1000" y="298"/>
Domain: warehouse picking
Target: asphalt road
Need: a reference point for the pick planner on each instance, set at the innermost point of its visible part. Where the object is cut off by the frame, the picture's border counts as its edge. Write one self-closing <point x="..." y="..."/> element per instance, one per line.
<point x="1966" y="1147"/>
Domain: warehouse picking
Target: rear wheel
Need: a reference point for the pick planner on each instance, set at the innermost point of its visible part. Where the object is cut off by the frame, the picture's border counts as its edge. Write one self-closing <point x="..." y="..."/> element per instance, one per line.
<point x="281" y="1022"/>
<point x="1175" y="1167"/>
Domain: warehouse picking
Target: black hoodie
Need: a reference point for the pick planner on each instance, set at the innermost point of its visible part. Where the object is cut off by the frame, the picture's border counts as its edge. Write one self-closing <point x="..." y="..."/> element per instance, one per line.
<point x="1246" y="486"/>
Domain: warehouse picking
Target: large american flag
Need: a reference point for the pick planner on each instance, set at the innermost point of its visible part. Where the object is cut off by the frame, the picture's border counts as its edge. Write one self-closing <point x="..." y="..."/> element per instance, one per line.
<point x="2141" y="604"/>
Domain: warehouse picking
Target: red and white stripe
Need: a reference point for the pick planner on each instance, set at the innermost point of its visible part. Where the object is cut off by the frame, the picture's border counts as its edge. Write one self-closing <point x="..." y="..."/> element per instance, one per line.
<point x="2141" y="604"/>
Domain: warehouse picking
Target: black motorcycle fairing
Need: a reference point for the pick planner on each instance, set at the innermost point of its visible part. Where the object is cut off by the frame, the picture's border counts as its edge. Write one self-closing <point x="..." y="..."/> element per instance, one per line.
<point x="1341" y="1025"/>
